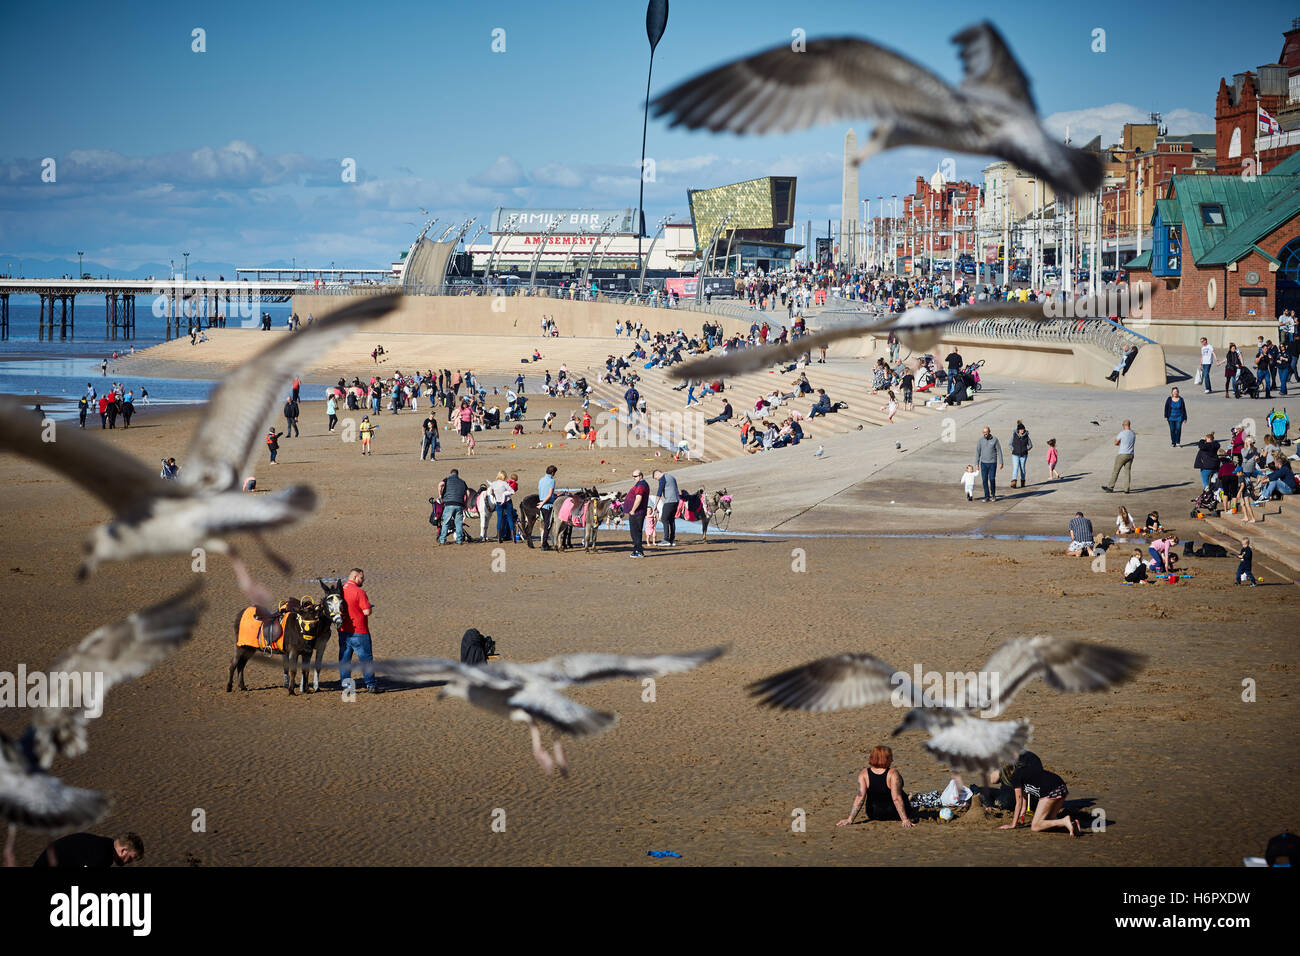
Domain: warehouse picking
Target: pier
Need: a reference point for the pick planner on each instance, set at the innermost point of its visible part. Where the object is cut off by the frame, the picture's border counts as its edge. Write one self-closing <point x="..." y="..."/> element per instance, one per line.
<point x="182" y="302"/>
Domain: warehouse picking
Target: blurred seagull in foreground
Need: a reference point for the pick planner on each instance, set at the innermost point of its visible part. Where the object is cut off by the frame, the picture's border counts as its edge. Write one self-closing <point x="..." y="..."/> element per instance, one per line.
<point x="918" y="328"/>
<point x="992" y="113"/>
<point x="154" y="517"/>
<point x="959" y="737"/>
<point x="531" y="692"/>
<point x="29" y="796"/>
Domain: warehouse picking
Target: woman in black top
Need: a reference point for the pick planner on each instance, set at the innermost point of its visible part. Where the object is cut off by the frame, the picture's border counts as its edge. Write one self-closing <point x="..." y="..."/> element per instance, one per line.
<point x="1231" y="362"/>
<point x="880" y="787"/>
<point x="1050" y="791"/>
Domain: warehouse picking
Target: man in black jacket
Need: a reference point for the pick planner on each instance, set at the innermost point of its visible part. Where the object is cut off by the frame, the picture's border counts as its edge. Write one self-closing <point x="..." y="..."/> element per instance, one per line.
<point x="291" y="418"/>
<point x="78" y="850"/>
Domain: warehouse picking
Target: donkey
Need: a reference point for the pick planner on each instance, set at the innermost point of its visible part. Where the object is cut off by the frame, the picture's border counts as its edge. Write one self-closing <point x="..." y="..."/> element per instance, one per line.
<point x="697" y="508"/>
<point x="587" y="511"/>
<point x="270" y="632"/>
<point x="530" y="509"/>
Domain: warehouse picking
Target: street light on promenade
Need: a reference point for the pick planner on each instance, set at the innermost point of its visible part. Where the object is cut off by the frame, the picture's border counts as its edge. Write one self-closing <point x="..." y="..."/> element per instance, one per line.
<point x="656" y="21"/>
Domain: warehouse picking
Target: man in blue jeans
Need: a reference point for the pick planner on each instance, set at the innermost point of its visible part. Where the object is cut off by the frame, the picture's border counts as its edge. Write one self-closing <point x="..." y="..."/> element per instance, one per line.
<point x="354" y="633"/>
<point x="988" y="459"/>
<point x="454" y="494"/>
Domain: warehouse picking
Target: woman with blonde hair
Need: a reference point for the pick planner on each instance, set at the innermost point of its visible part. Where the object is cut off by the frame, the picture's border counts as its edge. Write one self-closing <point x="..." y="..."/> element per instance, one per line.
<point x="880" y="788"/>
<point x="1124" y="523"/>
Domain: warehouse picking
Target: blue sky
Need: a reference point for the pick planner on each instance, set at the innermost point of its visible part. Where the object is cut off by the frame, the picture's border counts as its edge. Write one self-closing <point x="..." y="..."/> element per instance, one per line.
<point x="235" y="154"/>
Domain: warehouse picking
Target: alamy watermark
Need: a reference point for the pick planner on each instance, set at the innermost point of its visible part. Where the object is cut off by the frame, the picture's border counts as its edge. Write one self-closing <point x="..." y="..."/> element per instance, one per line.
<point x="81" y="690"/>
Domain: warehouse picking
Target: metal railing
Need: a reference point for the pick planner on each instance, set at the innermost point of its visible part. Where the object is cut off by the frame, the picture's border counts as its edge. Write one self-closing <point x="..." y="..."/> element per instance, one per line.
<point x="731" y="308"/>
<point x="1103" y="333"/>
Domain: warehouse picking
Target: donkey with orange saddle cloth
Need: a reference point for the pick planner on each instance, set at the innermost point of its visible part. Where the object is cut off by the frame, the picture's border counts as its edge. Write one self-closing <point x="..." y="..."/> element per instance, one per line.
<point x="297" y="629"/>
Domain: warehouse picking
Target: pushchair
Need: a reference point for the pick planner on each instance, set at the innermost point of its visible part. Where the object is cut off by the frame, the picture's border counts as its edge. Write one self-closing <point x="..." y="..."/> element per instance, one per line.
<point x="1279" y="423"/>
<point x="1208" y="502"/>
<point x="515" y="411"/>
<point x="973" y="370"/>
<point x="1245" y="381"/>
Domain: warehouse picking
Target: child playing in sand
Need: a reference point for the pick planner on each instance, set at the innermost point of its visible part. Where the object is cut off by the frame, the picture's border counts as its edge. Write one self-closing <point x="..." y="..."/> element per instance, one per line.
<point x="273" y="444"/>
<point x="367" y="432"/>
<point x="591" y="436"/>
<point x="1135" y="572"/>
<point x="469" y="444"/>
<point x="1153" y="525"/>
<point x="891" y="407"/>
<point x="1052" y="459"/>
<point x="1244" y="571"/>
<point x="1124" y="523"/>
<point x="968" y="481"/>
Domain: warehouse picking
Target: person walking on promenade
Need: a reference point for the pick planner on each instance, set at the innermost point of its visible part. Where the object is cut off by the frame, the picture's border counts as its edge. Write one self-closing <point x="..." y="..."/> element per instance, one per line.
<point x="1207" y="363"/>
<point x="1176" y="415"/>
<point x="1126" y="441"/>
<point x="1021" y="445"/>
<point x="988" y="459"/>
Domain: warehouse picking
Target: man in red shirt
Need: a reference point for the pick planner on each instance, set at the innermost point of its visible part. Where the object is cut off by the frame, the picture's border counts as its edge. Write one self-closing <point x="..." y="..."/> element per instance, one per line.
<point x="354" y="632"/>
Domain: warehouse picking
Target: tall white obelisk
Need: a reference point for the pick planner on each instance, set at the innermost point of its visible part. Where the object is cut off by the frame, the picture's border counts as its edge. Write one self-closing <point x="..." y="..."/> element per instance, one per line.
<point x="850" y="230"/>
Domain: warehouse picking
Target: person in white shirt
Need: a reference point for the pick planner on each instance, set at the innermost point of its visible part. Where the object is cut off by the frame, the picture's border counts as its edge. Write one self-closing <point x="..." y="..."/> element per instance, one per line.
<point x="501" y="493"/>
<point x="968" y="482"/>
<point x="1207" y="362"/>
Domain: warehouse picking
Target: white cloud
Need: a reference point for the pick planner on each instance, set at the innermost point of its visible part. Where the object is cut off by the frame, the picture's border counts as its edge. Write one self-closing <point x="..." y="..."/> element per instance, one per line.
<point x="1108" y="122"/>
<point x="504" y="172"/>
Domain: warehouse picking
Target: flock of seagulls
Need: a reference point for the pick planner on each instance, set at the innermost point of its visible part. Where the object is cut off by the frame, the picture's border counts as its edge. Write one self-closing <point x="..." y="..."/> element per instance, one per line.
<point x="991" y="112"/>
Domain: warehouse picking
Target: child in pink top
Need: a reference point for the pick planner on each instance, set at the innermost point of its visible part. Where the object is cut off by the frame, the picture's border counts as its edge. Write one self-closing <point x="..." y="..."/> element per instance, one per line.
<point x="1052" y="459"/>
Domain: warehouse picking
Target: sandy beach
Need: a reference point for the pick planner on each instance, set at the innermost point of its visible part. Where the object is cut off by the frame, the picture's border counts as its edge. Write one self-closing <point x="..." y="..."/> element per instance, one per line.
<point x="405" y="778"/>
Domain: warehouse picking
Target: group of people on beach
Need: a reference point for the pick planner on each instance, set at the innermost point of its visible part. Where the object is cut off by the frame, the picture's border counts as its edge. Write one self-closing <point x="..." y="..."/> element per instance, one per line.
<point x="117" y="402"/>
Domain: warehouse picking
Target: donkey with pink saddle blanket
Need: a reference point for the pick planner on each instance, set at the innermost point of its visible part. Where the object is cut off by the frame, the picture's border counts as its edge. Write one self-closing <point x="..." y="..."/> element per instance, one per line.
<point x="585" y="510"/>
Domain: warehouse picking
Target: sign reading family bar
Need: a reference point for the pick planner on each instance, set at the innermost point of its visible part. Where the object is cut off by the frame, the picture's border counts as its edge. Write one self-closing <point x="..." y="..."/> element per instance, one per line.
<point x="569" y="220"/>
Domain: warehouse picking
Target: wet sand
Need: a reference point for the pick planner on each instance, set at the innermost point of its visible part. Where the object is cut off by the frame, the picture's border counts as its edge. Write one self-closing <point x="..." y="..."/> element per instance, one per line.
<point x="1184" y="771"/>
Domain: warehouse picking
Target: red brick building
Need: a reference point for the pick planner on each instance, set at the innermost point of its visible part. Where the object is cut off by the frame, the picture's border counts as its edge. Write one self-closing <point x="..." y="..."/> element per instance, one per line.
<point x="1273" y="87"/>
<point x="938" y="220"/>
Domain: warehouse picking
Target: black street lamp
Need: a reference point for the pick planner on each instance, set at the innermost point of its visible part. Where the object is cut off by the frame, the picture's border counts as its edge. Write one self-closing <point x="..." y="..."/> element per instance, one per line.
<point x="80" y="272"/>
<point x="656" y="21"/>
<point x="187" y="266"/>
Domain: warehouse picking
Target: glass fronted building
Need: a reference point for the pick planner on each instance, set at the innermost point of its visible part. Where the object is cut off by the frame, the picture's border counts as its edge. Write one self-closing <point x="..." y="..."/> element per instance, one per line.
<point x="743" y="226"/>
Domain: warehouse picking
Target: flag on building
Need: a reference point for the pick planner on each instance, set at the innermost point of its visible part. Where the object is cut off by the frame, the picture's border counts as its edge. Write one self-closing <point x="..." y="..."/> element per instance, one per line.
<point x="1268" y="126"/>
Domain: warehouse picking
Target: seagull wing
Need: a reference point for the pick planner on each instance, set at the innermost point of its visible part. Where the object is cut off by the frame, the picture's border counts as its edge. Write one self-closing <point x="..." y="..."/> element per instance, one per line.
<point x="832" y="683"/>
<point x="970" y="744"/>
<point x="114" y="477"/>
<point x="119" y="652"/>
<point x="240" y="406"/>
<point x="913" y="320"/>
<point x="1071" y="666"/>
<point x="41" y="802"/>
<point x="586" y="668"/>
<point x="541" y="701"/>
<point x="989" y="64"/>
<point x="834" y="79"/>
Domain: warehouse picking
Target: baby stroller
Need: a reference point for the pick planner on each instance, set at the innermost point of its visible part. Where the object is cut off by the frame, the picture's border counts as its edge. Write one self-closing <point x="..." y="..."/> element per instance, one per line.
<point x="1245" y="381"/>
<point x="1208" y="501"/>
<point x="1279" y="423"/>
<point x="515" y="411"/>
<point x="973" y="370"/>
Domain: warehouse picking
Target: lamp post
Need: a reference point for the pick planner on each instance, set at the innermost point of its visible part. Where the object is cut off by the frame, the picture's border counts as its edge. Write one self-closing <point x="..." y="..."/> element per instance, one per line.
<point x="187" y="266"/>
<point x="656" y="21"/>
<point x="80" y="271"/>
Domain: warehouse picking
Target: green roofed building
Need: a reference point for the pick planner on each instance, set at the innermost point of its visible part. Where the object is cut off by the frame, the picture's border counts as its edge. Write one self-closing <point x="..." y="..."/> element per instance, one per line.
<point x="1225" y="251"/>
<point x="761" y="211"/>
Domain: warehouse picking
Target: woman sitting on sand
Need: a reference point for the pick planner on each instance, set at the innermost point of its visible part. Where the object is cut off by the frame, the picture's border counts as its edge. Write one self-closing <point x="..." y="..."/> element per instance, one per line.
<point x="1050" y="791"/>
<point x="880" y="788"/>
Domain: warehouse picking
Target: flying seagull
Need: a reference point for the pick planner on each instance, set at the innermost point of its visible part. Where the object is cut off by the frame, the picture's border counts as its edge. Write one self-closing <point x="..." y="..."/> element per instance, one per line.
<point x="959" y="737"/>
<point x="29" y="796"/>
<point x="992" y="113"/>
<point x="530" y="692"/>
<point x="918" y="328"/>
<point x="152" y="516"/>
